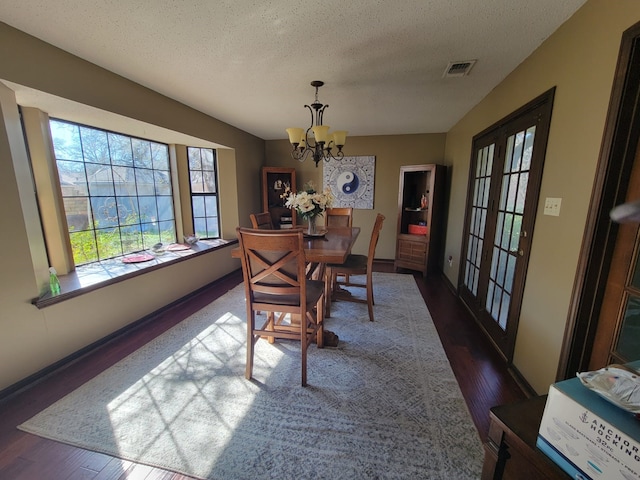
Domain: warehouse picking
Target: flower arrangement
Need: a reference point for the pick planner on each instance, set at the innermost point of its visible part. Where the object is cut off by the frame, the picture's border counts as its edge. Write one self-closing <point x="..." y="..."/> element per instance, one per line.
<point x="308" y="203"/>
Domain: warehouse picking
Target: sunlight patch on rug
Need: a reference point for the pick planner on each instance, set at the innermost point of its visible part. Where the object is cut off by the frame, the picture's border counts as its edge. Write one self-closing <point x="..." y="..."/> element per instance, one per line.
<point x="383" y="404"/>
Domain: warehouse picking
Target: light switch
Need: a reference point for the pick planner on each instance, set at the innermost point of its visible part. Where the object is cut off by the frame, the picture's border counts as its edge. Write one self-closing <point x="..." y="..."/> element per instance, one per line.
<point x="552" y="206"/>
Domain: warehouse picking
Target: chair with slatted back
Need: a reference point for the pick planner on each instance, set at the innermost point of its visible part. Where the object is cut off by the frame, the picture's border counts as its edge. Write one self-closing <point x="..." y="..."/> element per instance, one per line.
<point x="357" y="265"/>
<point x="339" y="217"/>
<point x="273" y="266"/>
<point x="262" y="220"/>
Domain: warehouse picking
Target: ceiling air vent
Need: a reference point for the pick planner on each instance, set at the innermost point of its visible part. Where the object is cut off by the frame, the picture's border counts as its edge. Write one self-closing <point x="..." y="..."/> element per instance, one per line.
<point x="458" y="69"/>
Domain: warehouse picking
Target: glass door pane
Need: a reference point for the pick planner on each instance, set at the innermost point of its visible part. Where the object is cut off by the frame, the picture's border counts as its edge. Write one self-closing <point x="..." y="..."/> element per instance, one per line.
<point x="478" y="221"/>
<point x="506" y="244"/>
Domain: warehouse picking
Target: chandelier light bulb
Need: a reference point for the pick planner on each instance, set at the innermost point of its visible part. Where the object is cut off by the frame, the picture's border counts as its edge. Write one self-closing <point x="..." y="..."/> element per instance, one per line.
<point x="316" y="141"/>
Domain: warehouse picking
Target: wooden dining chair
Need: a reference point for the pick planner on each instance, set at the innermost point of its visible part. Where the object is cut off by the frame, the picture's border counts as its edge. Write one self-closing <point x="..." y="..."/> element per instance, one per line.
<point x="339" y="217"/>
<point x="357" y="265"/>
<point x="262" y="220"/>
<point x="273" y="266"/>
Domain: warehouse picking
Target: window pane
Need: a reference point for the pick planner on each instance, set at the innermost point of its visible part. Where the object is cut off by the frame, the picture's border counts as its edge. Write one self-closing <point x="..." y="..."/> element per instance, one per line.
<point x="128" y="210"/>
<point x="165" y="208"/>
<point x="509" y="159"/>
<point x="167" y="232"/>
<point x="78" y="213"/>
<point x="109" y="191"/>
<point x="160" y="156"/>
<point x="200" y="226"/>
<point x="163" y="183"/>
<point x="211" y="206"/>
<point x="629" y="340"/>
<point x="84" y="247"/>
<point x="100" y="179"/>
<point x="131" y="239"/>
<point x="209" y="182"/>
<point x="528" y="148"/>
<point x="148" y="209"/>
<point x="108" y="243"/>
<point x="141" y="153"/>
<point x="196" y="182"/>
<point x="207" y="159"/>
<point x="506" y="231"/>
<point x="194" y="159"/>
<point x="120" y="149"/>
<point x="95" y="147"/>
<point x="517" y="152"/>
<point x="73" y="180"/>
<point x="198" y="206"/>
<point x="105" y="213"/>
<point x="522" y="192"/>
<point x="66" y="141"/>
<point x="124" y="180"/>
<point x="144" y="181"/>
<point x="212" y="227"/>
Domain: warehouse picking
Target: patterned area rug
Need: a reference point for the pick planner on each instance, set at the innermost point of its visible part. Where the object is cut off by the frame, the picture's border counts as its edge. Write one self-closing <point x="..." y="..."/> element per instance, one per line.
<point x="383" y="404"/>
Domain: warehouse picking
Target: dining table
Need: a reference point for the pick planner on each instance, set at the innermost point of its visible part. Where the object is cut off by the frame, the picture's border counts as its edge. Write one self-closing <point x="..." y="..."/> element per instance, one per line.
<point x="330" y="245"/>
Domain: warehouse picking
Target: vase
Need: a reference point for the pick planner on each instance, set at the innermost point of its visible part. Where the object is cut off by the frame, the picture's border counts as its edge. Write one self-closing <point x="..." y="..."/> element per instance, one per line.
<point x="311" y="225"/>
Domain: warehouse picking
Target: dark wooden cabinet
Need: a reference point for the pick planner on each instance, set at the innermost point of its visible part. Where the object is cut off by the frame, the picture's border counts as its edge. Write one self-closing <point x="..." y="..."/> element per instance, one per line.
<point x="420" y="216"/>
<point x="510" y="450"/>
<point x="275" y="181"/>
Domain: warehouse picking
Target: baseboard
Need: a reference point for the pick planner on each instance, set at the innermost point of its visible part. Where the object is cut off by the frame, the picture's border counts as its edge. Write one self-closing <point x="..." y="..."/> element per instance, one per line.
<point x="448" y="284"/>
<point x="522" y="383"/>
<point x="60" y="364"/>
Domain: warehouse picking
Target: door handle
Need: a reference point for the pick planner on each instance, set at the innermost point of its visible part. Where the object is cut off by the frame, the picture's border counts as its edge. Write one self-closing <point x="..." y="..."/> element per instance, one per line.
<point x="516" y="251"/>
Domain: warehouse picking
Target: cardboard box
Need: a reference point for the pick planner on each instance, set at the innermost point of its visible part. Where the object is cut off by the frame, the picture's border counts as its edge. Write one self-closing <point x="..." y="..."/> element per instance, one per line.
<point x="587" y="436"/>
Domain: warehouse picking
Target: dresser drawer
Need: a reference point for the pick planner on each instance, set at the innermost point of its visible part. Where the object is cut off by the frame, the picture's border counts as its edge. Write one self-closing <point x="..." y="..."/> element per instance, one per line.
<point x="412" y="251"/>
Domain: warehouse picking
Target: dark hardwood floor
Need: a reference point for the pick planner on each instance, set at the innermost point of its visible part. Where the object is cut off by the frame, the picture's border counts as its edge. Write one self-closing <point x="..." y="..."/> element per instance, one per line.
<point x="482" y="375"/>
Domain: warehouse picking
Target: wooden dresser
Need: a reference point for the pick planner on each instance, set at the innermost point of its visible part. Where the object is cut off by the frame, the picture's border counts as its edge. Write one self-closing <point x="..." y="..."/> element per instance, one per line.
<point x="510" y="450"/>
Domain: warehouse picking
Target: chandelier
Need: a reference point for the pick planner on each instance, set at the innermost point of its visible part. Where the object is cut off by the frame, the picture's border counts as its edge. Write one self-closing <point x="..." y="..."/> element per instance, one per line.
<point x="321" y="145"/>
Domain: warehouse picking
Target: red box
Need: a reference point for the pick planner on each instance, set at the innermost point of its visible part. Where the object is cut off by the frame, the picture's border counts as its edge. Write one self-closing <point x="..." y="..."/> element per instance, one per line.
<point x="417" y="229"/>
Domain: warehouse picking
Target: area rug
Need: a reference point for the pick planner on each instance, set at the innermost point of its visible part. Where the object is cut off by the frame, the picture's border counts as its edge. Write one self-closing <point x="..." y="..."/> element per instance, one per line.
<point x="384" y="404"/>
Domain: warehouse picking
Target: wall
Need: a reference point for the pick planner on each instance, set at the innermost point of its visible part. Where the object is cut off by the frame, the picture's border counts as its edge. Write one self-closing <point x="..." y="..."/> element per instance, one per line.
<point x="391" y="151"/>
<point x="31" y="339"/>
<point x="579" y="59"/>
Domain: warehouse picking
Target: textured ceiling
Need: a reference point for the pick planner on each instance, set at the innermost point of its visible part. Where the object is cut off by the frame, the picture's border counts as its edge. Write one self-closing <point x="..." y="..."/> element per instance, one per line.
<point x="250" y="63"/>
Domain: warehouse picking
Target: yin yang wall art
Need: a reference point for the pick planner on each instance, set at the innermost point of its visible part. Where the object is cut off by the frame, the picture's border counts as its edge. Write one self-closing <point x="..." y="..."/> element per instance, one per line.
<point x="351" y="181"/>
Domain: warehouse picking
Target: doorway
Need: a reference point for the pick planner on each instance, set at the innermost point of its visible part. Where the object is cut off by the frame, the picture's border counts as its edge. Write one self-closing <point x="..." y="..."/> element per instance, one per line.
<point x="504" y="186"/>
<point x="617" y="337"/>
<point x="597" y="261"/>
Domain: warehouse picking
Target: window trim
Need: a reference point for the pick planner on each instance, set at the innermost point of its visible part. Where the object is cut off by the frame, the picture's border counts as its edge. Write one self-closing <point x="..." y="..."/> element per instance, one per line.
<point x="216" y="194"/>
<point x="48" y="194"/>
<point x="91" y="196"/>
<point x="71" y="286"/>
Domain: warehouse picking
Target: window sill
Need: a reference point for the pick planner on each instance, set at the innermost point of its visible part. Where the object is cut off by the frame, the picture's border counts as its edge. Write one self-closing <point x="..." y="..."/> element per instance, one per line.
<point x="91" y="277"/>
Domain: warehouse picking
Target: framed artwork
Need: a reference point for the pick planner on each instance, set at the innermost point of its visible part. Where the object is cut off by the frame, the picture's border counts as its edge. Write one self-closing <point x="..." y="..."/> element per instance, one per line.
<point x="351" y="181"/>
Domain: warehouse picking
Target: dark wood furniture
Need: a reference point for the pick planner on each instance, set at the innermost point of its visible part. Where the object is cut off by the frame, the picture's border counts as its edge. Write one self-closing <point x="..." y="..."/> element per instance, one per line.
<point x="275" y="181"/>
<point x="275" y="282"/>
<point x="261" y="221"/>
<point x="356" y="265"/>
<point x="338" y="217"/>
<point x="510" y="450"/>
<point x="334" y="247"/>
<point x="420" y="216"/>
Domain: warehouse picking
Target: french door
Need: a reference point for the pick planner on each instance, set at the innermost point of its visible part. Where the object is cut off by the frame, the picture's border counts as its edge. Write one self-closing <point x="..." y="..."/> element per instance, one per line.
<point x="505" y="176"/>
<point x="617" y="338"/>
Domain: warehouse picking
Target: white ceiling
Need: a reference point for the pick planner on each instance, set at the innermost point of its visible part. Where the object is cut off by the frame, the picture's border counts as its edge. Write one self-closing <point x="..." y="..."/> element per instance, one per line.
<point x="250" y="63"/>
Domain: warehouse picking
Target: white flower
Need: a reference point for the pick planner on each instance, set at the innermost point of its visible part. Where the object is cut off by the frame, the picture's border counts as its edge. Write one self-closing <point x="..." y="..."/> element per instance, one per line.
<point x="309" y="203"/>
